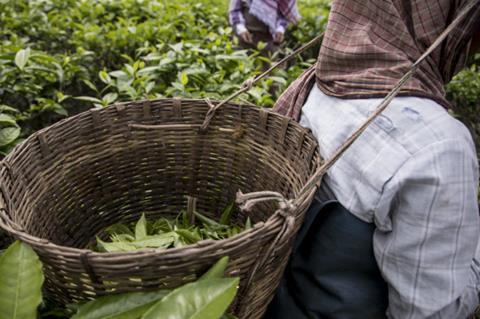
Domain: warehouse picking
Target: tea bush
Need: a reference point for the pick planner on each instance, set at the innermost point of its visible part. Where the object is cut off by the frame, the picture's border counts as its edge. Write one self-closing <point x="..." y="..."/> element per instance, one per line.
<point x="59" y="57"/>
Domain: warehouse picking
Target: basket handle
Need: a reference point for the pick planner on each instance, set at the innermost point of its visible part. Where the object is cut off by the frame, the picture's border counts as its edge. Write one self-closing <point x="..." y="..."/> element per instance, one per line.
<point x="247" y="85"/>
<point x="317" y="176"/>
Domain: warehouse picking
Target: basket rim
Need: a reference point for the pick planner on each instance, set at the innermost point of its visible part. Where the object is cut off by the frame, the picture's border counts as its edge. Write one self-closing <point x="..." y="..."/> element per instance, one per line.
<point x="206" y="244"/>
<point x="15" y="230"/>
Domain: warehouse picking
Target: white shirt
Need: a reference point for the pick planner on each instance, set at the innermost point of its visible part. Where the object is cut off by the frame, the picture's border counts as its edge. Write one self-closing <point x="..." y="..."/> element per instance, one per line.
<point x="414" y="174"/>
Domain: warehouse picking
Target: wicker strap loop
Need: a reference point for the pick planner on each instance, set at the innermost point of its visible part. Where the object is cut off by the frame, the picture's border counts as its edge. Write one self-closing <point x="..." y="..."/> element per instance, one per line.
<point x="283" y="129"/>
<point x="88" y="268"/>
<point x="262" y="119"/>
<point x="177" y="108"/>
<point x="95" y="117"/>
<point x="147" y="110"/>
<point x="247" y="84"/>
<point x="43" y="144"/>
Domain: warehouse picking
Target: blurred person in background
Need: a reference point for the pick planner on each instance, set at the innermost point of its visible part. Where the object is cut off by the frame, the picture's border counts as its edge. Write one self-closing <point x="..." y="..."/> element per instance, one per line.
<point x="265" y="21"/>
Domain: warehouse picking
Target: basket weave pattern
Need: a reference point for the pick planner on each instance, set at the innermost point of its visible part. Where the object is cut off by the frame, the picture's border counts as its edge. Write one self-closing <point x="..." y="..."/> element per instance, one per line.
<point x="66" y="183"/>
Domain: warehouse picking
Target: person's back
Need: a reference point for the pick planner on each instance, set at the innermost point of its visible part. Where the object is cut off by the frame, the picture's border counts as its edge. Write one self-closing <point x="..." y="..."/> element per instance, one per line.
<point x="413" y="174"/>
<point x="265" y="21"/>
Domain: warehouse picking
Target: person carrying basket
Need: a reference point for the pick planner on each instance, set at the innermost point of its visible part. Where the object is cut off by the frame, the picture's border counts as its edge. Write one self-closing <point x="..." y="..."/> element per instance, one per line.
<point x="394" y="229"/>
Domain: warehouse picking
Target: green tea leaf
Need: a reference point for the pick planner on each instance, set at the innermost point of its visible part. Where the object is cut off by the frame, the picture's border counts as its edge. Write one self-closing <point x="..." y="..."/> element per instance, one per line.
<point x="204" y="299"/>
<point x="189" y="236"/>
<point x="278" y="80"/>
<point x="207" y="221"/>
<point x="115" y="246"/>
<point x="123" y="306"/>
<point x="6" y="108"/>
<point x="90" y="85"/>
<point x="8" y="135"/>
<point x="21" y="58"/>
<point x="20" y="282"/>
<point x="162" y="225"/>
<point x="141" y="228"/>
<point x="183" y="78"/>
<point x="227" y="212"/>
<point x="88" y="99"/>
<point x="105" y="77"/>
<point x="161" y="241"/>
<point x="7" y="120"/>
<point x="119" y="229"/>
<point x="248" y="223"/>
<point x="109" y="98"/>
<point x="217" y="270"/>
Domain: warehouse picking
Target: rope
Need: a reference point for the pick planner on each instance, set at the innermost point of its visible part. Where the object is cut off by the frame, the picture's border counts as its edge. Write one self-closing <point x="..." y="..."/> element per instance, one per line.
<point x="248" y="84"/>
<point x="285" y="209"/>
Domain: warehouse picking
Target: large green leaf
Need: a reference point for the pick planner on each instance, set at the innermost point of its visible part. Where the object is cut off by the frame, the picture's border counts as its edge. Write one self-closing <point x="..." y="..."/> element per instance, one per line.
<point x="21" y="280"/>
<point x="204" y="299"/>
<point x="9" y="134"/>
<point x="21" y="58"/>
<point x="125" y="306"/>
<point x="7" y="120"/>
<point x="217" y="270"/>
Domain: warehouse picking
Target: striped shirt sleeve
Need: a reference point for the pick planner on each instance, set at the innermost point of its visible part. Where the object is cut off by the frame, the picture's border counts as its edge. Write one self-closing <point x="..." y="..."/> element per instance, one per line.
<point x="426" y="242"/>
<point x="237" y="21"/>
<point x="282" y="23"/>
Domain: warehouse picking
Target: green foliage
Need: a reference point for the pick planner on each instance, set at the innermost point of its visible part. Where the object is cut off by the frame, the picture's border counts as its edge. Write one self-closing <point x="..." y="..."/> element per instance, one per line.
<point x="208" y="298"/>
<point x="204" y="299"/>
<point x="124" y="306"/>
<point x="20" y="282"/>
<point x="59" y="57"/>
<point x="22" y="279"/>
<point x="464" y="93"/>
<point x="217" y="270"/>
<point x="164" y="233"/>
<point x="465" y="87"/>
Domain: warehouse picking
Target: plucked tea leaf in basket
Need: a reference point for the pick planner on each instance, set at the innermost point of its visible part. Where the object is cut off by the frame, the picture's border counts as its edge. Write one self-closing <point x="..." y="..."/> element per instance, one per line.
<point x="21" y="282"/>
<point x="227" y="213"/>
<point x="164" y="233"/>
<point x="141" y="228"/>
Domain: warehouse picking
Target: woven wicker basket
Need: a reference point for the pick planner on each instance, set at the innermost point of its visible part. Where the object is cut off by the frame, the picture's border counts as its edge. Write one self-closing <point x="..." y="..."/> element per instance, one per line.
<point x="66" y="183"/>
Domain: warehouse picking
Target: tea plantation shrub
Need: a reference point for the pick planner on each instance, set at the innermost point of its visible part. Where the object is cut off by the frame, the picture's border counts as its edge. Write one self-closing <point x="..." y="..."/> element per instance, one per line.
<point x="59" y="57"/>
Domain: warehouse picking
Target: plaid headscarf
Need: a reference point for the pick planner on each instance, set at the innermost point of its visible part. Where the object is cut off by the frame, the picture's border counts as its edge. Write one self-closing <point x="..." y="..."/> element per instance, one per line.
<point x="370" y="44"/>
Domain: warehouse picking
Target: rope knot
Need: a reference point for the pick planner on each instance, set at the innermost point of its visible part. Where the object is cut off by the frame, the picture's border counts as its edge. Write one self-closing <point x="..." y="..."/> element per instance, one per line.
<point x="247" y="201"/>
<point x="248" y="83"/>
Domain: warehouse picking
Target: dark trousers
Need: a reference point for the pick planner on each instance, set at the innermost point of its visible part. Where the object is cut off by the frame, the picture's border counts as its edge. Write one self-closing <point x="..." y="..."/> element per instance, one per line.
<point x="332" y="272"/>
